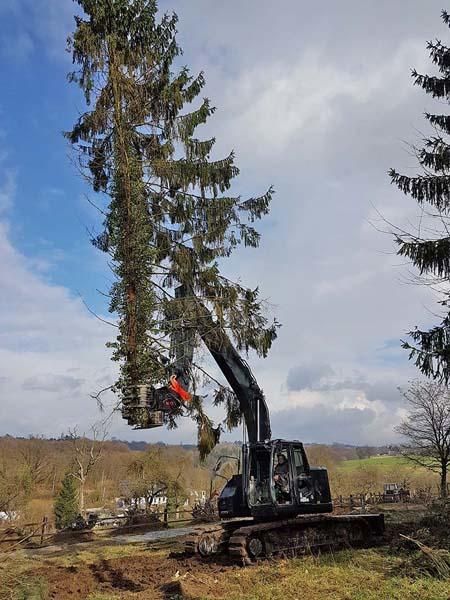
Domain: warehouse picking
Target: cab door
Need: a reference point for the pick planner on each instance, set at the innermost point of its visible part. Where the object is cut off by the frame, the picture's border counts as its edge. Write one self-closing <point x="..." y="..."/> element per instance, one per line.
<point x="303" y="484"/>
<point x="282" y="489"/>
<point x="258" y="469"/>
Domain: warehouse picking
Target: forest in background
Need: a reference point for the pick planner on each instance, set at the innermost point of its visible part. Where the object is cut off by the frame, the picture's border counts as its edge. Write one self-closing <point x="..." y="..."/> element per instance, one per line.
<point x="31" y="471"/>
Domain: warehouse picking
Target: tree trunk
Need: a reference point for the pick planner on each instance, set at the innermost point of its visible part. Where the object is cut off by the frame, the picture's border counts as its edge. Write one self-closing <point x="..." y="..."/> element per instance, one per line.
<point x="82" y="498"/>
<point x="103" y="487"/>
<point x="125" y="198"/>
<point x="444" y="481"/>
<point x="82" y="480"/>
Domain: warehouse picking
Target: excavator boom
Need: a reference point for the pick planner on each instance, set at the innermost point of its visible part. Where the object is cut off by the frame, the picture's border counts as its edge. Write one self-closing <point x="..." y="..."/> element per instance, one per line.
<point x="234" y="368"/>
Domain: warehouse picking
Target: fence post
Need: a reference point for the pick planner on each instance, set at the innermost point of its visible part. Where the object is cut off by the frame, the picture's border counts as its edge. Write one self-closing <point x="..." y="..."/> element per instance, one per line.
<point x="43" y="528"/>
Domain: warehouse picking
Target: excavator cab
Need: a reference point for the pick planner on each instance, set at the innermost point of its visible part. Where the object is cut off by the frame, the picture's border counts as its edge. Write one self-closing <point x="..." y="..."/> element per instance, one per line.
<point x="280" y="480"/>
<point x="276" y="480"/>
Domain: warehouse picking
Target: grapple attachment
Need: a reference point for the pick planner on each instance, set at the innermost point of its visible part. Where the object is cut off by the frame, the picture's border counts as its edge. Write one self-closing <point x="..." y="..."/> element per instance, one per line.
<point x="147" y="407"/>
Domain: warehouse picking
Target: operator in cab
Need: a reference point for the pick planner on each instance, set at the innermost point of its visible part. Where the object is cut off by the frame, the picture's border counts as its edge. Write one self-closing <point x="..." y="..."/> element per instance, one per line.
<point x="281" y="479"/>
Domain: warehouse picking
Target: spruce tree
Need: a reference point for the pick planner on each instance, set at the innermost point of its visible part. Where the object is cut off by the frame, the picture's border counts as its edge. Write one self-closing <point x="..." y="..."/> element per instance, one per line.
<point x="169" y="214"/>
<point x="430" y="349"/>
<point x="66" y="503"/>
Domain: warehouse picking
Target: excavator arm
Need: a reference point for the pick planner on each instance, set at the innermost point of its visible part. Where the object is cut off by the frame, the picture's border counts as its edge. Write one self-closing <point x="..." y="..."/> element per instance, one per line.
<point x="234" y="368"/>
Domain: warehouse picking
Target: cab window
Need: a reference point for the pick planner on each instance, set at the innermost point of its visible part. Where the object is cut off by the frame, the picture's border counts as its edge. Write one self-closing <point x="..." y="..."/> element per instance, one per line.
<point x="299" y="467"/>
<point x="259" y="477"/>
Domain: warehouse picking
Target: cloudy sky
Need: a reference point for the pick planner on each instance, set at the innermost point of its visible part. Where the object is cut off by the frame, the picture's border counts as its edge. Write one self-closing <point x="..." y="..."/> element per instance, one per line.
<point x="316" y="99"/>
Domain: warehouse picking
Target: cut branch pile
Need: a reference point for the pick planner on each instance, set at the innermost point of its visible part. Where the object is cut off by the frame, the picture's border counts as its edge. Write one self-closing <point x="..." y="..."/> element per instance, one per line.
<point x="436" y="562"/>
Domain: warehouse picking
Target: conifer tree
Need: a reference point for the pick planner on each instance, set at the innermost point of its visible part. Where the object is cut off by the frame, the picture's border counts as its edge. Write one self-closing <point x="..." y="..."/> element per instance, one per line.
<point x="429" y="250"/>
<point x="66" y="503"/>
<point x="169" y="214"/>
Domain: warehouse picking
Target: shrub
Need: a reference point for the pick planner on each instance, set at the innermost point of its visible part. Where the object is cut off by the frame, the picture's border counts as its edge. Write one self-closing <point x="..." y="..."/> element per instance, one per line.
<point x="66" y="503"/>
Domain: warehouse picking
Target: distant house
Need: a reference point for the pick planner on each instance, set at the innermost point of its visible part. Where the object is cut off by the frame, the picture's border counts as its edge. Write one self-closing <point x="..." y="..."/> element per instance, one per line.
<point x="157" y="501"/>
<point x="8" y="516"/>
<point x="160" y="500"/>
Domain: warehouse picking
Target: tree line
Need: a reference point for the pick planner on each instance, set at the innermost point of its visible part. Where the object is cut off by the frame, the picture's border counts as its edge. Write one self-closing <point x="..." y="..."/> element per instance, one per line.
<point x="91" y="472"/>
<point x="41" y="477"/>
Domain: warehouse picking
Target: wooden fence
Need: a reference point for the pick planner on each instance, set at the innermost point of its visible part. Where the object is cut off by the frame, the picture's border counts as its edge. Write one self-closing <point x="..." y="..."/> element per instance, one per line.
<point x="374" y="499"/>
<point x="39" y="534"/>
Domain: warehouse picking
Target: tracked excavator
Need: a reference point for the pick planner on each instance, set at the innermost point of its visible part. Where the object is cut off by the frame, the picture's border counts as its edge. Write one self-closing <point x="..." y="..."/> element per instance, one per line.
<point x="278" y="504"/>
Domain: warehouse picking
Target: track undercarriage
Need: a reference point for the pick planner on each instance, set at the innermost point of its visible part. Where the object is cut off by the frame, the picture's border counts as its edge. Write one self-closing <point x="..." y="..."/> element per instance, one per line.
<point x="248" y="541"/>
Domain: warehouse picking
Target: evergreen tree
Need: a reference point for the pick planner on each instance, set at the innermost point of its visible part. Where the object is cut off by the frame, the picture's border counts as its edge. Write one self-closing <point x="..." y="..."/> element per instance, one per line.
<point x="169" y="216"/>
<point x="431" y="189"/>
<point x="66" y="503"/>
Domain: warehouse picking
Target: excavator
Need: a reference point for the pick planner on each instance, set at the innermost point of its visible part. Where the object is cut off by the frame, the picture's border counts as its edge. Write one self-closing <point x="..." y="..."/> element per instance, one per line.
<point x="278" y="504"/>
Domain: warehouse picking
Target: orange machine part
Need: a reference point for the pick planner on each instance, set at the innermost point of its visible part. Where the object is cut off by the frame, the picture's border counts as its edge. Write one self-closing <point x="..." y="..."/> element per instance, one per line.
<point x="178" y="389"/>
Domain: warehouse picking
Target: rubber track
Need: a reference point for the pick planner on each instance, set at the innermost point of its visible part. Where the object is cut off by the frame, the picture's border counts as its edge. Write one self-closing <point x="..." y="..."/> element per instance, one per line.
<point x="192" y="541"/>
<point x="218" y="534"/>
<point x="288" y="537"/>
<point x="300" y="535"/>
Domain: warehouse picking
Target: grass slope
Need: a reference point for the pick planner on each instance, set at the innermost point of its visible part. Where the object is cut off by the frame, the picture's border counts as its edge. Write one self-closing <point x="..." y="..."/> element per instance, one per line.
<point x="381" y="462"/>
<point x="350" y="575"/>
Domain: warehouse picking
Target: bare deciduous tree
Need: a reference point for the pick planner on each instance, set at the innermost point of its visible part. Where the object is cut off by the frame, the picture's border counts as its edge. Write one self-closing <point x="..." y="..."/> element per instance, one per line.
<point x="86" y="454"/>
<point x="15" y="490"/>
<point x="35" y="458"/>
<point x="152" y="474"/>
<point x="427" y="428"/>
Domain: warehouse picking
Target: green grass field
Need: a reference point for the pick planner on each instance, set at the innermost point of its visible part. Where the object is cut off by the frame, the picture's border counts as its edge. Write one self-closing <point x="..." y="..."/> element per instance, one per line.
<point x="371" y="474"/>
<point x="381" y="462"/>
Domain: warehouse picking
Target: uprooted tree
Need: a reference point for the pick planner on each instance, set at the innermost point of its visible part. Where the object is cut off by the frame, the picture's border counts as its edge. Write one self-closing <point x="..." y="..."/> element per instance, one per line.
<point x="168" y="214"/>
<point x="427" y="428"/>
<point x="428" y="247"/>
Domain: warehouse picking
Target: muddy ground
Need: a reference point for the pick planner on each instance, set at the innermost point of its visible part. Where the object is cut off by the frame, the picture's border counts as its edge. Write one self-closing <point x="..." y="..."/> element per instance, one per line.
<point x="152" y="576"/>
<point x="160" y="571"/>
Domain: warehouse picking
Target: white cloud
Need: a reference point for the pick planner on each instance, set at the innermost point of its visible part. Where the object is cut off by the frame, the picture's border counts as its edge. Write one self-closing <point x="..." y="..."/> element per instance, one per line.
<point x="323" y="422"/>
<point x="44" y="333"/>
<point x="323" y="119"/>
<point x="53" y="357"/>
<point x="42" y="25"/>
<point x="49" y="382"/>
<point x="278" y="107"/>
